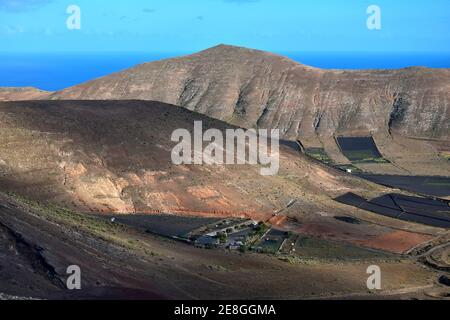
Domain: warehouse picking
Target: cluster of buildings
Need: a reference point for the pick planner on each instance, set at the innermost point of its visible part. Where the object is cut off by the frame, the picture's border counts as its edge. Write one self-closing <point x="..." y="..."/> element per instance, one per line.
<point x="229" y="233"/>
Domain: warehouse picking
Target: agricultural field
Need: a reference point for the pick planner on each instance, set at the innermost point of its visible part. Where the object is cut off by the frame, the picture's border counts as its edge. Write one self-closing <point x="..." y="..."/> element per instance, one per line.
<point x="434" y="186"/>
<point x="319" y="154"/>
<point x="360" y="149"/>
<point x="412" y="209"/>
<point x="309" y="247"/>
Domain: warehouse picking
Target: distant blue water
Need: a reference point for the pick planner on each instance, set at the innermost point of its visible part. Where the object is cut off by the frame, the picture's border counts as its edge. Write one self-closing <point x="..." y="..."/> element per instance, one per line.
<point x="341" y="60"/>
<point x="58" y="71"/>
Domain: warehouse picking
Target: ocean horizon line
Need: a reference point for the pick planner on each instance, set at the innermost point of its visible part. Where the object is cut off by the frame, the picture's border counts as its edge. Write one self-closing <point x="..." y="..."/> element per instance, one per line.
<point x="55" y="71"/>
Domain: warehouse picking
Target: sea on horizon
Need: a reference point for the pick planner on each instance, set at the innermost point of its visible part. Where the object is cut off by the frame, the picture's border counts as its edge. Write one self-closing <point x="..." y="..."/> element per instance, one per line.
<point x="56" y="71"/>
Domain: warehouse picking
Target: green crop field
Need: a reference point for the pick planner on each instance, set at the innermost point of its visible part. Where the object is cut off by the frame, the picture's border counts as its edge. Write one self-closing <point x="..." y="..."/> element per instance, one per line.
<point x="319" y="154"/>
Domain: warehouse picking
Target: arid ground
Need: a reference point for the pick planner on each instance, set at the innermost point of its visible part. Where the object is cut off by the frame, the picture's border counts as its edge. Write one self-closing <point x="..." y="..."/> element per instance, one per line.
<point x="67" y="166"/>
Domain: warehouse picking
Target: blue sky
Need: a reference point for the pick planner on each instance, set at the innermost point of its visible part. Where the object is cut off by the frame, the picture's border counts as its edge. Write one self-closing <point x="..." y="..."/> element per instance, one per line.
<point x="191" y="25"/>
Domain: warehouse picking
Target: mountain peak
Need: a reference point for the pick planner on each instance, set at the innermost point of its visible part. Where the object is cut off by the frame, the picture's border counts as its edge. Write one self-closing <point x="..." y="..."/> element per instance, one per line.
<point x="252" y="88"/>
<point x="230" y="49"/>
<point x="259" y="58"/>
<point x="223" y="46"/>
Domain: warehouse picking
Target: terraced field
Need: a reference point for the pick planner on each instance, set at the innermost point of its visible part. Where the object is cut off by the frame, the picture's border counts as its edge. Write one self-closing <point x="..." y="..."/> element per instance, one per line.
<point x="413" y="209"/>
<point x="360" y="149"/>
<point x="434" y="186"/>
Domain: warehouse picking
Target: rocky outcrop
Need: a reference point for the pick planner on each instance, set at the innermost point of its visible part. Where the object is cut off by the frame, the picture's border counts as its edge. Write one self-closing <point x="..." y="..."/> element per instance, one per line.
<point x="253" y="88"/>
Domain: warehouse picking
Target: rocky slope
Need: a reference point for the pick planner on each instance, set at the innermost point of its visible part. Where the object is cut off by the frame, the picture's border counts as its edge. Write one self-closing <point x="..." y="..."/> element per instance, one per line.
<point x="253" y="88"/>
<point x="39" y="243"/>
<point x="115" y="156"/>
<point x="22" y="93"/>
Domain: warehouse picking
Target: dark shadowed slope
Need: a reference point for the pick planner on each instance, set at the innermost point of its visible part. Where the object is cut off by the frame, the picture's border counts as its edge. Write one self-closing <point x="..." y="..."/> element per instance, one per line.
<point x="115" y="156"/>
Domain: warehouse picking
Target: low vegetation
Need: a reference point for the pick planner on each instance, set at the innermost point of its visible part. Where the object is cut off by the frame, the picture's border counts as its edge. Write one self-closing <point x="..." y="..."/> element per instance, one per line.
<point x="79" y="222"/>
<point x="319" y="154"/>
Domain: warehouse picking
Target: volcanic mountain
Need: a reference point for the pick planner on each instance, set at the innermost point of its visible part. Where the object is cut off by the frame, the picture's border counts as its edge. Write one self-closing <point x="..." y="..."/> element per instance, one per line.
<point x="406" y="111"/>
<point x="115" y="156"/>
<point x="253" y="88"/>
<point x="66" y="165"/>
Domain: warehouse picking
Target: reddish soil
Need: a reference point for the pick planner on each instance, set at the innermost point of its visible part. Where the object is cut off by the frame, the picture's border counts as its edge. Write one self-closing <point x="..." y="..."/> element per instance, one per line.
<point x="396" y="241"/>
<point x="278" y="220"/>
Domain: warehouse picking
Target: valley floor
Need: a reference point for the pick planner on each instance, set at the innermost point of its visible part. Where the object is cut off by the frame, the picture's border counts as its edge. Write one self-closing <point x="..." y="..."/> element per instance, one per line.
<point x="120" y="262"/>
